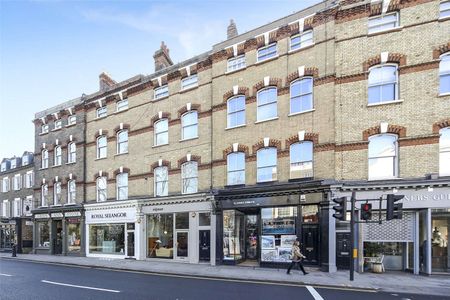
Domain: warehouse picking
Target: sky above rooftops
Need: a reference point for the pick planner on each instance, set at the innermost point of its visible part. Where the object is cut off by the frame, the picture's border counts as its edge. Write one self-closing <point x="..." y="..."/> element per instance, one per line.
<point x="53" y="51"/>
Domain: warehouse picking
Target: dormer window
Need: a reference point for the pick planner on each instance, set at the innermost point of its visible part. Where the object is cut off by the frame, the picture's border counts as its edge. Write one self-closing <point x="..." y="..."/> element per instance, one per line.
<point x="189" y="82"/>
<point x="3" y="167"/>
<point x="58" y="124"/>
<point x="383" y="22"/>
<point x="44" y="128"/>
<point x="13" y="163"/>
<point x="25" y="160"/>
<point x="161" y="92"/>
<point x="267" y="52"/>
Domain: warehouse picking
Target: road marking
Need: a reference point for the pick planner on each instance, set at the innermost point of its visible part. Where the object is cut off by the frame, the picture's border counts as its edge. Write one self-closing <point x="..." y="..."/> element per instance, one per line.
<point x="314" y="293"/>
<point x="7" y="275"/>
<point x="80" y="286"/>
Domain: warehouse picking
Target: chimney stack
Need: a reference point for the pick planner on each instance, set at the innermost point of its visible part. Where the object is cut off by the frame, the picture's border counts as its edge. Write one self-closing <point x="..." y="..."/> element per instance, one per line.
<point x="105" y="81"/>
<point x="232" y="30"/>
<point x="162" y="58"/>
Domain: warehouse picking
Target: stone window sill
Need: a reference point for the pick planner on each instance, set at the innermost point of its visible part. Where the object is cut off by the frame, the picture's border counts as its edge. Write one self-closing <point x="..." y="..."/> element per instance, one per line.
<point x="237" y="126"/>
<point x="302" y="48"/>
<point x="301" y="112"/>
<point x="399" y="28"/>
<point x="266" y="120"/>
<point x="385" y="103"/>
<point x="266" y="60"/>
<point x="235" y="71"/>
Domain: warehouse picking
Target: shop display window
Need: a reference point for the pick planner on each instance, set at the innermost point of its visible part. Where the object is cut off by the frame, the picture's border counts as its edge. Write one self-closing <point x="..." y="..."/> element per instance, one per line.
<point x="43" y="234"/>
<point x="440" y="256"/>
<point x="160" y="234"/>
<point x="74" y="236"/>
<point x="278" y="233"/>
<point x="107" y="239"/>
<point x="233" y="235"/>
<point x="310" y="214"/>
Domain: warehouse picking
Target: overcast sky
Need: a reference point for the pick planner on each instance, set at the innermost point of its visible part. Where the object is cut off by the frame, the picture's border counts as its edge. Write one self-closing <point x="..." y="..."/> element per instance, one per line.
<point x="53" y="51"/>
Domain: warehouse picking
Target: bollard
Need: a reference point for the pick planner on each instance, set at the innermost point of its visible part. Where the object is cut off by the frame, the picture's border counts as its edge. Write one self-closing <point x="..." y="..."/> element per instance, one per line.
<point x="14" y="250"/>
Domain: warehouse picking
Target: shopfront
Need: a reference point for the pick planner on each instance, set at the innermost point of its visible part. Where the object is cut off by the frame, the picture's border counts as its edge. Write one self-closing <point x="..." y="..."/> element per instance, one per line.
<point x="112" y="230"/>
<point x="179" y="229"/>
<point x="59" y="230"/>
<point x="259" y="229"/>
<point x="419" y="241"/>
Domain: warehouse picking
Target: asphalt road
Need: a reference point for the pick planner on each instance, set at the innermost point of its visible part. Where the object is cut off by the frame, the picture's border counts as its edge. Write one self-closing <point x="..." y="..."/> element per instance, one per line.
<point x="30" y="280"/>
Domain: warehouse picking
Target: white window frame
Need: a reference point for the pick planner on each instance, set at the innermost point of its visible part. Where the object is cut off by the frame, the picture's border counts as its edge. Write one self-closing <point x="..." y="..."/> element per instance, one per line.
<point x="395" y="170"/>
<point x="103" y="190"/>
<point x="29" y="179"/>
<point x="123" y="143"/>
<point x="25" y="160"/>
<point x="57" y="193"/>
<point x="58" y="124"/>
<point x="5" y="184"/>
<point x="44" y="128"/>
<point x="122" y="105"/>
<point x="269" y="55"/>
<point x="183" y="126"/>
<point x="230" y="113"/>
<point x="396" y="92"/>
<point x="259" y="167"/>
<point x="5" y="209"/>
<point x="161" y="92"/>
<point x="374" y="28"/>
<point x="57" y="157"/>
<point x="442" y="10"/>
<point x="17" y="211"/>
<point x="44" y="195"/>
<point x="443" y="171"/>
<point x="71" y="191"/>
<point x="71" y="152"/>
<point x="189" y="82"/>
<point x="71" y="120"/>
<point x="13" y="163"/>
<point x="266" y="104"/>
<point x="161" y="133"/>
<point x="17" y="182"/>
<point x="300" y="162"/>
<point x="303" y="41"/>
<point x="44" y="159"/>
<point x="104" y="147"/>
<point x="442" y="73"/>
<point x="101" y="112"/>
<point x="3" y="166"/>
<point x="240" y="169"/>
<point x="301" y="95"/>
<point x="187" y="179"/>
<point x="161" y="180"/>
<point x="236" y="63"/>
<point x="123" y="187"/>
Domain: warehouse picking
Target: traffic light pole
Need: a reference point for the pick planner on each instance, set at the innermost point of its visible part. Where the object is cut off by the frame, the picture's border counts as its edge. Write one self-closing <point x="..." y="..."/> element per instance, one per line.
<point x="352" y="237"/>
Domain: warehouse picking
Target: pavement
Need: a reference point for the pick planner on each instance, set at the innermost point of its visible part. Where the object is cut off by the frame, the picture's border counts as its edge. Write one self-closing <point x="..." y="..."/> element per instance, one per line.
<point x="393" y="282"/>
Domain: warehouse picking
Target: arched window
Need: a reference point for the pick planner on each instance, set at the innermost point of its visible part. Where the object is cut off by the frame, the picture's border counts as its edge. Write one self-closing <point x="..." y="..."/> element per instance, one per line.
<point x="236" y="111"/>
<point x="301" y="155"/>
<point x="267" y="104"/>
<point x="301" y="95"/>
<point x="189" y="177"/>
<point x="122" y="141"/>
<point x="122" y="186"/>
<point x="189" y="123"/>
<point x="266" y="164"/>
<point x="383" y="84"/>
<point x="101" y="189"/>
<point x="444" y="74"/>
<point x="161" y="132"/>
<point x="161" y="181"/>
<point x="71" y="152"/>
<point x="44" y="162"/>
<point x="58" y="156"/>
<point x="236" y="168"/>
<point x="444" y="152"/>
<point x="71" y="191"/>
<point x="102" y="146"/>
<point x="44" y="195"/>
<point x="383" y="158"/>
<point x="57" y="193"/>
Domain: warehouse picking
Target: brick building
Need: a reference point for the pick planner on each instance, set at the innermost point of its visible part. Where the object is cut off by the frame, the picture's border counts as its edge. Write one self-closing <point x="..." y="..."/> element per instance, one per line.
<point x="229" y="156"/>
<point x="16" y="198"/>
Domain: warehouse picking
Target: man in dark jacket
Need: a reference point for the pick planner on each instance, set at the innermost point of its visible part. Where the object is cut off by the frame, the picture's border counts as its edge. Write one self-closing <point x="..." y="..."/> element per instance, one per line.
<point x="297" y="257"/>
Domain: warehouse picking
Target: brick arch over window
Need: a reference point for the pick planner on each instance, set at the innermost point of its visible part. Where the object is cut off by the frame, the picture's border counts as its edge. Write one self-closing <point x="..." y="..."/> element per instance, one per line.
<point x="395" y="129"/>
<point x="155" y="118"/>
<point x="397" y="58"/>
<point x="272" y="143"/>
<point x="260" y="42"/>
<point x="193" y="158"/>
<point x="184" y="109"/>
<point x="67" y="178"/>
<point x="242" y="90"/>
<point x="193" y="69"/>
<point x="125" y="126"/>
<point x="273" y="82"/>
<point x="104" y="132"/>
<point x="312" y="137"/>
<point x="164" y="163"/>
<point x="294" y="28"/>
<point x="241" y="148"/>
<point x="312" y="71"/>
<point x="441" y="124"/>
<point x="437" y="52"/>
<point x="377" y="7"/>
<point x="155" y="83"/>
<point x="97" y="175"/>
<point x="124" y="170"/>
<point x="68" y="141"/>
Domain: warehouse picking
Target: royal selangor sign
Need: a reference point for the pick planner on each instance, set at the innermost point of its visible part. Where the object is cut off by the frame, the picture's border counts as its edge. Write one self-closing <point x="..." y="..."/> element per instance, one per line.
<point x="111" y="215"/>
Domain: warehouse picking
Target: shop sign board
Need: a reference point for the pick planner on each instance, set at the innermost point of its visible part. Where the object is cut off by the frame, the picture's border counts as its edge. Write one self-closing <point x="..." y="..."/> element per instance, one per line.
<point x="116" y="215"/>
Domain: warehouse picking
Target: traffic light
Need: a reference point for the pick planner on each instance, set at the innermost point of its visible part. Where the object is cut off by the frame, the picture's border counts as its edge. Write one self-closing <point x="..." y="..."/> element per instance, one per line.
<point x="340" y="208"/>
<point x="366" y="211"/>
<point x="394" y="210"/>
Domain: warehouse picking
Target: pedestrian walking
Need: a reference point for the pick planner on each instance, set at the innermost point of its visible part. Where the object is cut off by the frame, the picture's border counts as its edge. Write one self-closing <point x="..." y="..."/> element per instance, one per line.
<point x="297" y="258"/>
